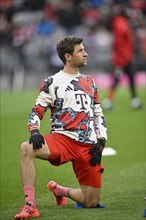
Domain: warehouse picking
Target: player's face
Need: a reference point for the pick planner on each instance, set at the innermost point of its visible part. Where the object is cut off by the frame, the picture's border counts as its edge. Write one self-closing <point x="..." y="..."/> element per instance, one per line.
<point x="79" y="56"/>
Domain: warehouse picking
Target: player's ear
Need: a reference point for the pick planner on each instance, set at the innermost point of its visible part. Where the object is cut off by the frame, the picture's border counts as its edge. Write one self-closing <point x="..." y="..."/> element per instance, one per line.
<point x="67" y="57"/>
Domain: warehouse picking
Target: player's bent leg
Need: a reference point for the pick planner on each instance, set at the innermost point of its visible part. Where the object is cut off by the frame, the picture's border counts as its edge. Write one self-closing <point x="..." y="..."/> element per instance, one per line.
<point x="86" y="196"/>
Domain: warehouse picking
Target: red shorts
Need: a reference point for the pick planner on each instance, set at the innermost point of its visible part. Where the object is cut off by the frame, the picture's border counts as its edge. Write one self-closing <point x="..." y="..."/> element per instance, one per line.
<point x="64" y="149"/>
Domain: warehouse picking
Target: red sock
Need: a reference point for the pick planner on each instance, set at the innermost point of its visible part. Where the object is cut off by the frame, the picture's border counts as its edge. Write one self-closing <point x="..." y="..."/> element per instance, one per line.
<point x="29" y="192"/>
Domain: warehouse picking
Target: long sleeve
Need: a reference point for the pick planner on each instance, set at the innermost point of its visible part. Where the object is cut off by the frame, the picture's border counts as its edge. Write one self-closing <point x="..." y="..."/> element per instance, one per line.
<point x="99" y="119"/>
<point x="42" y="104"/>
<point x="100" y="123"/>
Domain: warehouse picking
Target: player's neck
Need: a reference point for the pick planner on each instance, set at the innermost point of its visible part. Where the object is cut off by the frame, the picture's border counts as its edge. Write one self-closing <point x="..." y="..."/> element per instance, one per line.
<point x="69" y="70"/>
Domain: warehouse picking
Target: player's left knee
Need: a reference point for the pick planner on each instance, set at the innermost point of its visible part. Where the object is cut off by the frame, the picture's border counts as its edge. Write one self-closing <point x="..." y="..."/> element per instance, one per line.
<point x="92" y="202"/>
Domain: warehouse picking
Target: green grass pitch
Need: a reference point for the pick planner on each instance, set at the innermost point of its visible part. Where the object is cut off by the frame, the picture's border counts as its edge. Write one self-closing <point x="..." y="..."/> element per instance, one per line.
<point x="124" y="178"/>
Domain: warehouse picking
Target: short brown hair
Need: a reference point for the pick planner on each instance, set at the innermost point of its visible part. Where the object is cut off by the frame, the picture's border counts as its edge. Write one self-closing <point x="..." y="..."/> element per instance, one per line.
<point x="66" y="45"/>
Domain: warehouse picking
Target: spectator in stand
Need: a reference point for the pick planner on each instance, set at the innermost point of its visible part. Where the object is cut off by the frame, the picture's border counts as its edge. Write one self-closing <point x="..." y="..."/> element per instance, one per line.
<point x="123" y="50"/>
<point x="68" y="15"/>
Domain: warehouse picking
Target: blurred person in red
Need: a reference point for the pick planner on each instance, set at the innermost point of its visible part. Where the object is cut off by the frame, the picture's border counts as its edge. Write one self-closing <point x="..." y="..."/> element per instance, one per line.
<point x="123" y="51"/>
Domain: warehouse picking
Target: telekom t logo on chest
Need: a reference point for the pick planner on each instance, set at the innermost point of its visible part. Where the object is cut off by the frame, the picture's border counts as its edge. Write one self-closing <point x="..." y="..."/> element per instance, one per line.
<point x="81" y="99"/>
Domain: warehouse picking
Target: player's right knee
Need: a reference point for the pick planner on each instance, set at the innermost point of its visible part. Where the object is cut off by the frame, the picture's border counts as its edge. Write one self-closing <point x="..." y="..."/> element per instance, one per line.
<point x="26" y="150"/>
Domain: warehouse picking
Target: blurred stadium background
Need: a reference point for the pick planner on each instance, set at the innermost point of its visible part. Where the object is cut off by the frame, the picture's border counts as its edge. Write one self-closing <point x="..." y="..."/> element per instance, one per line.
<point x="29" y="30"/>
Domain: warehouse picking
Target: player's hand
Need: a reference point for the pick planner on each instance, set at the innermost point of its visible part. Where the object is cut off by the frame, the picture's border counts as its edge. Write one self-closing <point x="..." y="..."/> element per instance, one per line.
<point x="96" y="152"/>
<point x="36" y="139"/>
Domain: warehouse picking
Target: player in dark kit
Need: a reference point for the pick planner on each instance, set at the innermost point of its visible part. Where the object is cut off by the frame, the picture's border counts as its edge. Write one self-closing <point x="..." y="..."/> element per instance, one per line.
<point x="78" y="132"/>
